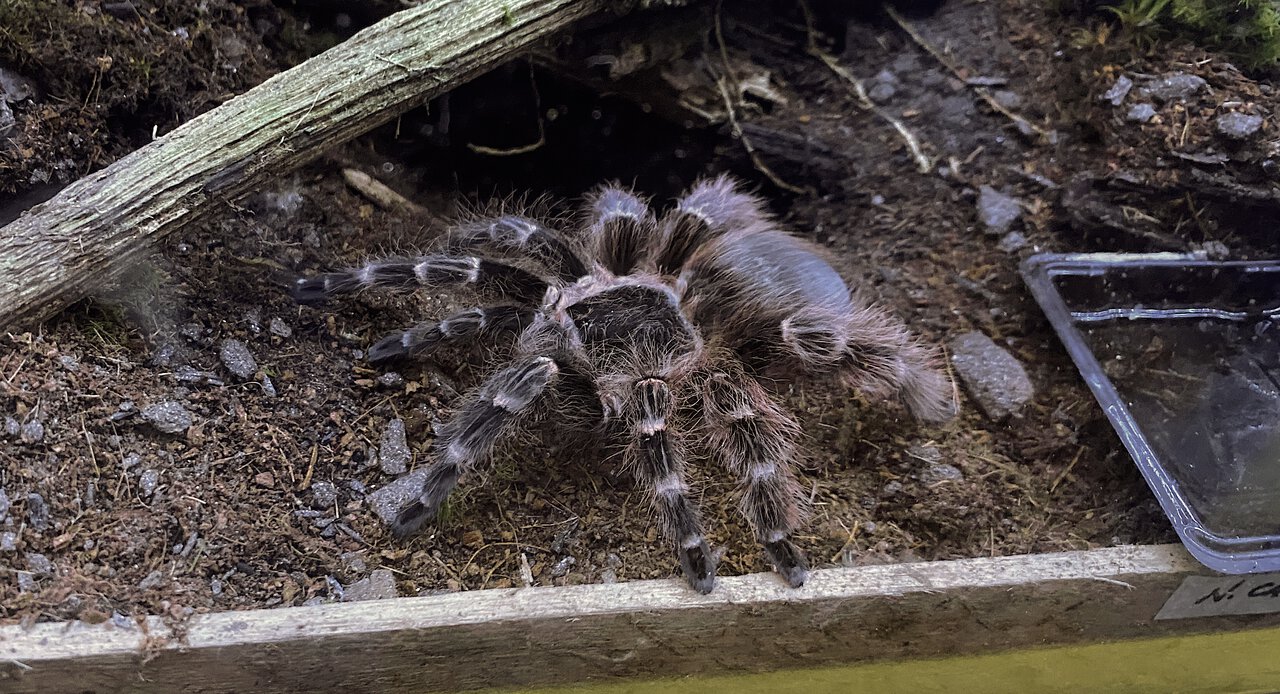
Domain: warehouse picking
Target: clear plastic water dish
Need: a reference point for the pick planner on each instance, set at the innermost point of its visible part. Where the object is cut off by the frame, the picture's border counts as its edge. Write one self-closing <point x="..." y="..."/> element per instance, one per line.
<point x="1183" y="354"/>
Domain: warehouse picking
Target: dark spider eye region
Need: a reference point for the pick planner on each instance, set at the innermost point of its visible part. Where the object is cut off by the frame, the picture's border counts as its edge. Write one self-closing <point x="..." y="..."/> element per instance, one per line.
<point x="630" y="315"/>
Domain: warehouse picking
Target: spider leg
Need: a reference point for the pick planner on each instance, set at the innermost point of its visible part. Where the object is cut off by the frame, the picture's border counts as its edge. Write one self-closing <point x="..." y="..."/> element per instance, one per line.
<point x="471" y="323"/>
<point x="755" y="438"/>
<point x="656" y="462"/>
<point x="711" y="208"/>
<point x="467" y="439"/>
<point x="435" y="271"/>
<point x="508" y="233"/>
<point x="620" y="228"/>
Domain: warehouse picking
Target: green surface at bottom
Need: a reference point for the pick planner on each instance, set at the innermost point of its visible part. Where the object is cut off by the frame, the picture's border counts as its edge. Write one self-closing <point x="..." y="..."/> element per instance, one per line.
<point x="1231" y="663"/>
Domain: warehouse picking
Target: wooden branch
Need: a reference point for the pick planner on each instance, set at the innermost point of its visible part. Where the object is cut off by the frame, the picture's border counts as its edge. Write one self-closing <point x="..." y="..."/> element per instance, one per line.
<point x="96" y="230"/>
<point x="539" y="636"/>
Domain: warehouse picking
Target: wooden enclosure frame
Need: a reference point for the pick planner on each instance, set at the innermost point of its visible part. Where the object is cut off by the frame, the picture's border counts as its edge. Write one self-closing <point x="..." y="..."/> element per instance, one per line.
<point x="545" y="636"/>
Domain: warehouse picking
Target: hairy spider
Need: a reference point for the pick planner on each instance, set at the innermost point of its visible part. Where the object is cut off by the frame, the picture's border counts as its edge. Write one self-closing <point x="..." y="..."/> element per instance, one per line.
<point x="654" y="332"/>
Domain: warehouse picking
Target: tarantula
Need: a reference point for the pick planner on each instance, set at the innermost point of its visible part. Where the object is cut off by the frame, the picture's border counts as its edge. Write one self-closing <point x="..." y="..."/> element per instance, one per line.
<point x="655" y="331"/>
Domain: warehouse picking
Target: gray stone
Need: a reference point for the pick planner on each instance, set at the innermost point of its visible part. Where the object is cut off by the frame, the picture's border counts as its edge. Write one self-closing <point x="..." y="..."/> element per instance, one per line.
<point x="11" y="426"/>
<point x="167" y="417"/>
<point x="8" y="541"/>
<point x="4" y="504"/>
<point x="394" y="455"/>
<point x="153" y="580"/>
<point x="1238" y="126"/>
<point x="892" y="488"/>
<point x="130" y="460"/>
<point x="32" y="431"/>
<point x="940" y="472"/>
<point x="391" y="379"/>
<point x="353" y="563"/>
<point x="1008" y="99"/>
<point x="323" y="495"/>
<point x="608" y="576"/>
<point x="26" y="582"/>
<point x="7" y="121"/>
<point x="1140" y="113"/>
<point x="997" y="211"/>
<point x="561" y="567"/>
<point x="379" y="585"/>
<point x="880" y="92"/>
<point x="279" y="328"/>
<point x="39" y="564"/>
<point x="268" y="388"/>
<point x="1175" y="85"/>
<point x="1013" y="242"/>
<point x="37" y="512"/>
<point x="69" y="362"/>
<point x="389" y="500"/>
<point x="236" y="357"/>
<point x="996" y="380"/>
<point x="1119" y="90"/>
<point x="148" y="481"/>
<point x="190" y="374"/>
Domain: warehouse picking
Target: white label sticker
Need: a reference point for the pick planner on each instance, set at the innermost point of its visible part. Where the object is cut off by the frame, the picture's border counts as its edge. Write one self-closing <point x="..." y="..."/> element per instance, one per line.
<point x="1212" y="596"/>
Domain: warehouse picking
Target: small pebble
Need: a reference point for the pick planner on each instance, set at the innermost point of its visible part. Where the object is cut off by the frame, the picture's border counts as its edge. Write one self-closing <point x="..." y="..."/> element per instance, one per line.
<point x="153" y="580"/>
<point x="37" y="512"/>
<point x="1013" y="242"/>
<point x="4" y="504"/>
<point x="32" y="431"/>
<point x="26" y="582"/>
<point x="148" y="481"/>
<point x="353" y="563"/>
<point x="1119" y="90"/>
<point x="12" y="426"/>
<point x="39" y="564"/>
<point x="130" y="460"/>
<point x="892" y="488"/>
<point x="190" y="374"/>
<point x="608" y="576"/>
<point x="253" y="318"/>
<point x="215" y="586"/>
<point x="391" y="379"/>
<point x="994" y="377"/>
<point x="379" y="585"/>
<point x="324" y="495"/>
<point x="8" y="541"/>
<point x="7" y="121"/>
<point x="167" y="417"/>
<point x="1238" y="126"/>
<point x="236" y="357"/>
<point x="1140" y="113"/>
<point x="279" y="328"/>
<point x="264" y="479"/>
<point x="997" y="211"/>
<point x="268" y="388"/>
<point x="394" y="455"/>
<point x="941" y="472"/>
<point x="1176" y="85"/>
<point x="69" y="362"/>
<point x="562" y="566"/>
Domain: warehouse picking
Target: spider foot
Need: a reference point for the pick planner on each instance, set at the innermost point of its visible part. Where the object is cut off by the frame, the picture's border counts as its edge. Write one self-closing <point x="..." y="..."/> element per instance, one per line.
<point x="699" y="566"/>
<point x="788" y="561"/>
<point x="309" y="290"/>
<point x="411" y="518"/>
